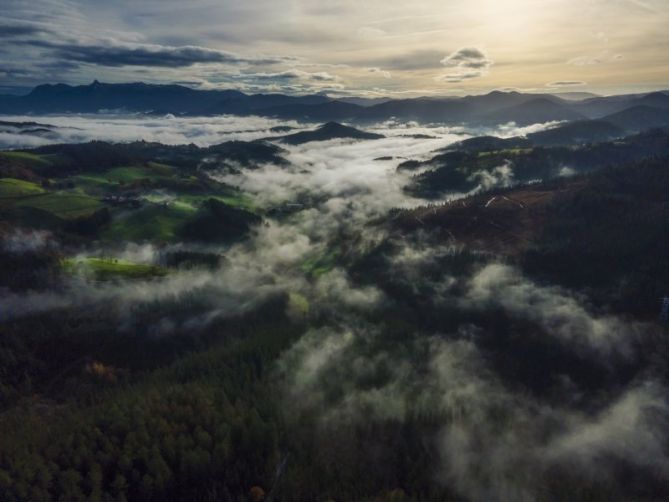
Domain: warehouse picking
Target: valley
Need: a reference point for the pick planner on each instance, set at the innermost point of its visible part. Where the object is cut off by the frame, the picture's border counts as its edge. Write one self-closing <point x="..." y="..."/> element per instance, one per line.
<point x="294" y="306"/>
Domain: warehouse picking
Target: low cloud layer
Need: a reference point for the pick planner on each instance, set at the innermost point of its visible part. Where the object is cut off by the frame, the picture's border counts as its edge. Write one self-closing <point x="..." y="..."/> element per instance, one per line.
<point x="559" y="313"/>
<point x="495" y="443"/>
<point x="339" y="184"/>
<point x="168" y="130"/>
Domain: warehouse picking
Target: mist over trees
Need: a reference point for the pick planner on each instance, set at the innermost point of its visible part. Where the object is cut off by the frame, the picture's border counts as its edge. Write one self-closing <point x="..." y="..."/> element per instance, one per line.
<point x="391" y="312"/>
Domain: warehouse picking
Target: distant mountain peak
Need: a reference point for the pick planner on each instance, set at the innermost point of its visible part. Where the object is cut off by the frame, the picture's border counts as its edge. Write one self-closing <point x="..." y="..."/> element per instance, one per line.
<point x="498" y="92"/>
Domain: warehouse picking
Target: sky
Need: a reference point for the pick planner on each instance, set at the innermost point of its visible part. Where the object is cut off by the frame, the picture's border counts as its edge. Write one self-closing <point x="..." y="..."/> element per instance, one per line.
<point x="374" y="48"/>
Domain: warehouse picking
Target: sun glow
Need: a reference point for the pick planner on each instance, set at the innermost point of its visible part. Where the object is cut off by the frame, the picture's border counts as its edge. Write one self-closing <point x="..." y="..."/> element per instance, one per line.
<point x="510" y="20"/>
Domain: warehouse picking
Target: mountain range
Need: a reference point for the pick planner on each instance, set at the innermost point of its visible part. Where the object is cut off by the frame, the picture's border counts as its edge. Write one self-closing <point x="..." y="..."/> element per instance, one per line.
<point x="631" y="112"/>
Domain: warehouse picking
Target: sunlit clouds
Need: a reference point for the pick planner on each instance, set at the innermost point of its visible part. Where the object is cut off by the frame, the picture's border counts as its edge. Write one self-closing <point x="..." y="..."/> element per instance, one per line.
<point x="375" y="48"/>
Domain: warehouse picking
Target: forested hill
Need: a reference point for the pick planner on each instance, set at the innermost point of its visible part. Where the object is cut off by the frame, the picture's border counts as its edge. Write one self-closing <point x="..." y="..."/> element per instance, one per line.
<point x="604" y="232"/>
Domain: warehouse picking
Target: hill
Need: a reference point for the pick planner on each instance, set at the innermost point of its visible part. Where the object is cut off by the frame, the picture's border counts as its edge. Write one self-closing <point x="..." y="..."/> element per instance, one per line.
<point x="489" y="144"/>
<point x="575" y="96"/>
<point x="655" y="99"/>
<point x="474" y="110"/>
<point x="331" y="130"/>
<point x="458" y="171"/>
<point x="639" y="118"/>
<point x="596" y="108"/>
<point x="486" y="109"/>
<point x="535" y="111"/>
<point x="363" y="101"/>
<point x="605" y="231"/>
<point x="331" y="110"/>
<point x="583" y="131"/>
<point x="141" y="97"/>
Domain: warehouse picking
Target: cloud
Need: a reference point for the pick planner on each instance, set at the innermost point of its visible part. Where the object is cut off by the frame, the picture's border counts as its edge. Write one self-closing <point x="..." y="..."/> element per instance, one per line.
<point x="19" y="29"/>
<point x="379" y="71"/>
<point x="645" y="5"/>
<point x="59" y="34"/>
<point x="511" y="130"/>
<point x="370" y="33"/>
<point x="293" y="74"/>
<point x="604" y="57"/>
<point x="413" y="39"/>
<point x="341" y="169"/>
<point x="468" y="57"/>
<point x="499" y="177"/>
<point x="20" y="241"/>
<point x="291" y="81"/>
<point x="631" y="429"/>
<point x="336" y="287"/>
<point x="202" y="131"/>
<point x="507" y="447"/>
<point x="494" y="443"/>
<point x="418" y="59"/>
<point x="323" y="76"/>
<point x="115" y="53"/>
<point x="567" y="83"/>
<point x="559" y="313"/>
<point x="271" y="261"/>
<point x="466" y="63"/>
<point x="283" y="75"/>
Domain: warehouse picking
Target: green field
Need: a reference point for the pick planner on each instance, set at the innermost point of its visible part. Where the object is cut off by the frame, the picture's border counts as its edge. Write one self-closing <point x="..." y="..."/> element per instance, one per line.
<point x="65" y="205"/>
<point x="24" y="194"/>
<point x="157" y="174"/>
<point x="109" y="268"/>
<point x="150" y="223"/>
<point x="31" y="159"/>
<point x="320" y="263"/>
<point x="239" y="201"/>
<point x="170" y="199"/>
<point x="11" y="187"/>
<point x="193" y="202"/>
<point x="183" y="203"/>
<point x="130" y="174"/>
<point x="91" y="183"/>
<point x="298" y="304"/>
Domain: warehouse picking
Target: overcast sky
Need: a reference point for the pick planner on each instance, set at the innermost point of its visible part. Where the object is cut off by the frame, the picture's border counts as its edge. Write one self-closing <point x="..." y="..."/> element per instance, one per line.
<point x="351" y="47"/>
